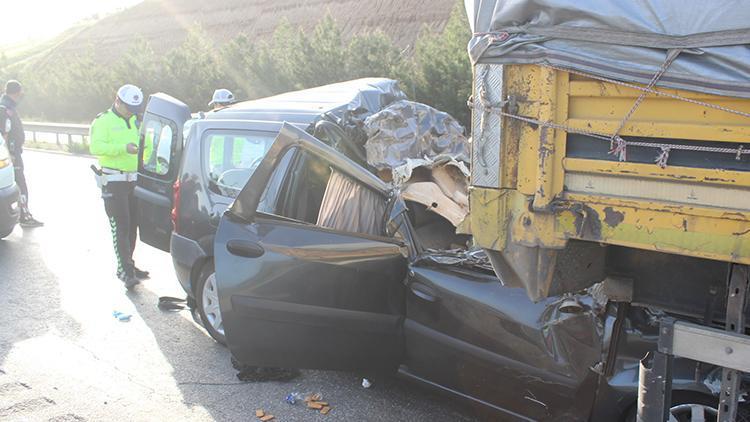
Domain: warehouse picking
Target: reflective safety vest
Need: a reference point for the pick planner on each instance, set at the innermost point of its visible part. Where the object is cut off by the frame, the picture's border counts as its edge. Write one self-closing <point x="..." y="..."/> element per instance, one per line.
<point x="108" y="139"/>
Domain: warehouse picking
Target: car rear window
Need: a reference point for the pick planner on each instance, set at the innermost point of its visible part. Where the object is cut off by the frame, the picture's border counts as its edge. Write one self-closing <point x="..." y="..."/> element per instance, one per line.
<point x="232" y="156"/>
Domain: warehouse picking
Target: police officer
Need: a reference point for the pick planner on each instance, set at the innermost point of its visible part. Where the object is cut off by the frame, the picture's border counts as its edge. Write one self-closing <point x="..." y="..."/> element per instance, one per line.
<point x="11" y="128"/>
<point x="222" y="98"/>
<point x="114" y="141"/>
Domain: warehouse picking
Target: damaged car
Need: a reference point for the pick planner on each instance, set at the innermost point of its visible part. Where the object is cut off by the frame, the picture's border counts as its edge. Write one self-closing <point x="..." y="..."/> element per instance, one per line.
<point x="202" y="163"/>
<point x="321" y="264"/>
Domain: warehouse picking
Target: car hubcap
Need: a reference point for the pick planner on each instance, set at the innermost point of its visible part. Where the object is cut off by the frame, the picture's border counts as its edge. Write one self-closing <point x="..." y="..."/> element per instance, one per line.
<point x="211" y="304"/>
<point x="692" y="413"/>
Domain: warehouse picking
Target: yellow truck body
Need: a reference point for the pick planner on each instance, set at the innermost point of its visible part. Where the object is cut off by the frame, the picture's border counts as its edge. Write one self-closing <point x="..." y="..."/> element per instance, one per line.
<point x="559" y="190"/>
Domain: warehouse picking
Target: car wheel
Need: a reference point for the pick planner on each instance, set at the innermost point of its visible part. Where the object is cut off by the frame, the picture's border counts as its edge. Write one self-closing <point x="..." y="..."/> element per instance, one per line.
<point x="207" y="298"/>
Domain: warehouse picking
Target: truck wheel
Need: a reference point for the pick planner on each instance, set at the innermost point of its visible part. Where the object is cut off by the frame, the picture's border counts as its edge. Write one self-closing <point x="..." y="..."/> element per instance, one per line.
<point x="207" y="298"/>
<point x="691" y="406"/>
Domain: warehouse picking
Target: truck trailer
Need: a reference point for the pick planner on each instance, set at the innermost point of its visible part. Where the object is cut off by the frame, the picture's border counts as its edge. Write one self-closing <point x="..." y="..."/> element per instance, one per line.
<point x="611" y="151"/>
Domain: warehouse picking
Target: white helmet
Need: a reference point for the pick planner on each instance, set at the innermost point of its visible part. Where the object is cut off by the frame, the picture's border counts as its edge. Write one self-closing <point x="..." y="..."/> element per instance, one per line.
<point x="222" y="97"/>
<point x="131" y="96"/>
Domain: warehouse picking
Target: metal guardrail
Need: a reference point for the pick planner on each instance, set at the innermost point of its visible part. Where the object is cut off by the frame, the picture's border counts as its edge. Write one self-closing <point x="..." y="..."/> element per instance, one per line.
<point x="63" y="133"/>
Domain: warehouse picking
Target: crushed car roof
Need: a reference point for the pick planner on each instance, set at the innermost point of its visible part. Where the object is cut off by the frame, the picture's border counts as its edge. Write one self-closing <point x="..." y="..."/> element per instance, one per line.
<point x="359" y="96"/>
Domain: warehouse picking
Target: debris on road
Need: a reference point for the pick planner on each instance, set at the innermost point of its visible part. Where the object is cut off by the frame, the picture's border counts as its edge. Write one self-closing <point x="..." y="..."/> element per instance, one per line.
<point x="169" y="303"/>
<point x="122" y="317"/>
<point x="312" y="401"/>
<point x="267" y="418"/>
<point x="259" y="413"/>
<point x="366" y="383"/>
<point x="292" y="398"/>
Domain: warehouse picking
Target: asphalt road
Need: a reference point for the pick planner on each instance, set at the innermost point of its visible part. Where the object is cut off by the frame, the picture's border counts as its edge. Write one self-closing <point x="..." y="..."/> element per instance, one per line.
<point x="64" y="357"/>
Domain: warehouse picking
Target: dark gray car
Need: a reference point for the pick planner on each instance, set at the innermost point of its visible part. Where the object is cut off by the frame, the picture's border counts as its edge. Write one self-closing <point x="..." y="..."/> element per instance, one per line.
<point x="199" y="165"/>
<point x="319" y="265"/>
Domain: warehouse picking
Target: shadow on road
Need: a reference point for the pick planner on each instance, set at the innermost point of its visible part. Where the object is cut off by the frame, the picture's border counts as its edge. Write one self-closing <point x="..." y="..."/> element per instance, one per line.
<point x="205" y="377"/>
<point x="29" y="295"/>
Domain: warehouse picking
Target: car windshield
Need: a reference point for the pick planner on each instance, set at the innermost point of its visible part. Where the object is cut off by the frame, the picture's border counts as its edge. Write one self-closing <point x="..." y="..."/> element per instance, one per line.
<point x="232" y="156"/>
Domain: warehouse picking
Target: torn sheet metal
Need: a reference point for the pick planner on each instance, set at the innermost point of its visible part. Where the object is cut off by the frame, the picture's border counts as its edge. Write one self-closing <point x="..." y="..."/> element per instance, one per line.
<point x="624" y="40"/>
<point x="431" y="196"/>
<point x="574" y="334"/>
<point x="457" y="172"/>
<point x="473" y="258"/>
<point x="406" y="129"/>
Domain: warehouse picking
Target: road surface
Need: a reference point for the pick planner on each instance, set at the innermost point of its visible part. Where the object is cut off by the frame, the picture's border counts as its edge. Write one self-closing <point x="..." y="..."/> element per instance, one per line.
<point x="64" y="357"/>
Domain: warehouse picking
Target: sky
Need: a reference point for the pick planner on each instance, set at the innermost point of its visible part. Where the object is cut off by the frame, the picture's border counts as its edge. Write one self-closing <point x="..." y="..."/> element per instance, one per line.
<point x="34" y="20"/>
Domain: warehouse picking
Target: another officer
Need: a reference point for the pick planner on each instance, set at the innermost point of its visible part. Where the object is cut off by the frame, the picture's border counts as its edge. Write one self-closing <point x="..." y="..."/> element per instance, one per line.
<point x="114" y="141"/>
<point x="11" y="128"/>
<point x="222" y="98"/>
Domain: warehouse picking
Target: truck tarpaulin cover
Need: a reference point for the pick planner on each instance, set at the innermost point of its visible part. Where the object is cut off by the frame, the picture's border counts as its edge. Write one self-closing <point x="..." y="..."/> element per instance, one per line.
<point x="624" y="40"/>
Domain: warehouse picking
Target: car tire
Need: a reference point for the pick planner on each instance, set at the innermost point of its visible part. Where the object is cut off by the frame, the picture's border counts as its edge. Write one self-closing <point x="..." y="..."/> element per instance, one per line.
<point x="6" y="232"/>
<point x="681" y="400"/>
<point x="207" y="304"/>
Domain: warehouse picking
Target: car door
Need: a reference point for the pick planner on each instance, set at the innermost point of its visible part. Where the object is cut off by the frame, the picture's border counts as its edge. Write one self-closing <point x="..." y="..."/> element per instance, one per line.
<point x="160" y="151"/>
<point x="301" y="283"/>
<point x="468" y="333"/>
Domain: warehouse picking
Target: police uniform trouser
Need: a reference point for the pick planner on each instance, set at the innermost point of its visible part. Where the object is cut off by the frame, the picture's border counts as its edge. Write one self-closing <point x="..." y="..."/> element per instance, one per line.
<point x="120" y="205"/>
<point x="17" y="160"/>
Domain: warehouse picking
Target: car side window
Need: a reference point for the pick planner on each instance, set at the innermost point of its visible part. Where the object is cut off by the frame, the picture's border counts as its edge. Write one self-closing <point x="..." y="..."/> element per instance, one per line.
<point x="316" y="193"/>
<point x="232" y="156"/>
<point x="158" y="136"/>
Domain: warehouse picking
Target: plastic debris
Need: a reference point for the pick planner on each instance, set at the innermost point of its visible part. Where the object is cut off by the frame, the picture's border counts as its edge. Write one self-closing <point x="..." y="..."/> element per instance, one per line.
<point x="293" y="398"/>
<point x="366" y="383"/>
<point x="122" y="317"/>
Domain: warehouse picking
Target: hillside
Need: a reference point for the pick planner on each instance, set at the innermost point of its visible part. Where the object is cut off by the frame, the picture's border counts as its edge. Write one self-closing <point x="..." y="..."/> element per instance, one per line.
<point x="164" y="23"/>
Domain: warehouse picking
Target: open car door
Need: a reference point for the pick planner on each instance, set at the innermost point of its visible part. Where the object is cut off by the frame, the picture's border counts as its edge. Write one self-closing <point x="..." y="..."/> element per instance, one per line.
<point x="160" y="150"/>
<point x="295" y="292"/>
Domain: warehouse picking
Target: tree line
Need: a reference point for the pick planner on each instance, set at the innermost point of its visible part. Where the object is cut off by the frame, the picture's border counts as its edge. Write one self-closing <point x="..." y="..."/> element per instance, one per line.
<point x="435" y="71"/>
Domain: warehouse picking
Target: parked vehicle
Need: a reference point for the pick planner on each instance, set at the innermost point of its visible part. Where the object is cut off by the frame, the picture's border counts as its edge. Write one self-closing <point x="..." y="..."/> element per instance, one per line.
<point x="201" y="164"/>
<point x="319" y="265"/>
<point x="9" y="210"/>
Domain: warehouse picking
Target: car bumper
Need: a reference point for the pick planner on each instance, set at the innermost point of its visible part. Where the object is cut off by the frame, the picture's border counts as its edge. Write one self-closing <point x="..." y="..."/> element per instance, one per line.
<point x="186" y="253"/>
<point x="9" y="210"/>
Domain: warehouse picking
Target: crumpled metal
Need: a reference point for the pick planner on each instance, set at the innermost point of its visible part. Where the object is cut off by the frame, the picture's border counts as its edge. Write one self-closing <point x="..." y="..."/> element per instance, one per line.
<point x="409" y="130"/>
<point x="472" y="258"/>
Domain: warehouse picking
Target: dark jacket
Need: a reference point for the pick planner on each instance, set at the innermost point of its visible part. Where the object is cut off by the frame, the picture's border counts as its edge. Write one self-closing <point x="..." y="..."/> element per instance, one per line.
<point x="9" y="119"/>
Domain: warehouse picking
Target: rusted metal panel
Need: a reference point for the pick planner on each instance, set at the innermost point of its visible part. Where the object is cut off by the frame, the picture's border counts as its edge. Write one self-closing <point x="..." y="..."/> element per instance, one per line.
<point x="549" y="198"/>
